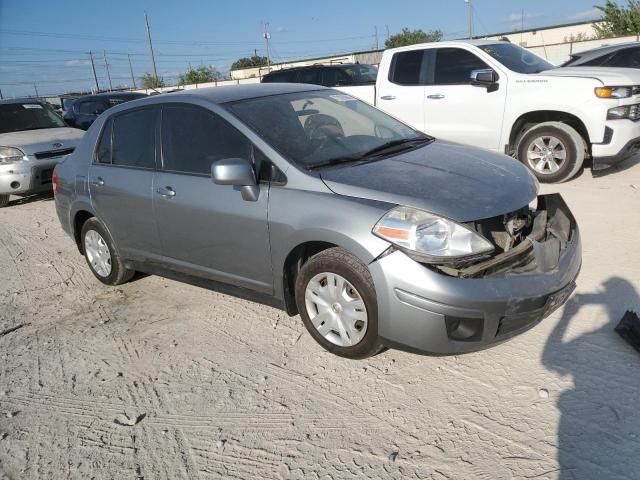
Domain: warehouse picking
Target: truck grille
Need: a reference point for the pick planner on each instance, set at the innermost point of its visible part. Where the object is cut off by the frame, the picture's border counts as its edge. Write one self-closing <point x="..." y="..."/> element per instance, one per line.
<point x="53" y="153"/>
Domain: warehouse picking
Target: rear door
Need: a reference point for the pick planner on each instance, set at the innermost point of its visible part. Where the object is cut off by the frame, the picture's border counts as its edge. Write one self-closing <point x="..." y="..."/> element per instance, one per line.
<point x="121" y="181"/>
<point x="402" y="93"/>
<point x="456" y="110"/>
<point x="207" y="229"/>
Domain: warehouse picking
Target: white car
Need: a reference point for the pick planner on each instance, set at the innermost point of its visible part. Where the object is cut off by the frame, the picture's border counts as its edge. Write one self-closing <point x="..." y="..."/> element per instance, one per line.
<point x="499" y="96"/>
<point x="33" y="139"/>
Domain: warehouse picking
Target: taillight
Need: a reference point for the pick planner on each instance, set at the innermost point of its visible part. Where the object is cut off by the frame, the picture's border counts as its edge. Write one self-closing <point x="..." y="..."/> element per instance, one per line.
<point x="54" y="181"/>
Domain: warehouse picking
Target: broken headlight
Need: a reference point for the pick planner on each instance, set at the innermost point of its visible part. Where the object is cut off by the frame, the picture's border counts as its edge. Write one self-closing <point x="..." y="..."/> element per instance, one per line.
<point x="431" y="238"/>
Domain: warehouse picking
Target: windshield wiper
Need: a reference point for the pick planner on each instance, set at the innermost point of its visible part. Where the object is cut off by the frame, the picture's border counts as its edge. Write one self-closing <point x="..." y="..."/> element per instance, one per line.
<point x="369" y="155"/>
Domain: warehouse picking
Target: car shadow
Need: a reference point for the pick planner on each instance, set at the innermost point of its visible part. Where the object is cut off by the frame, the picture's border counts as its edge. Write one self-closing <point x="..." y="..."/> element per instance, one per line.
<point x="599" y="428"/>
<point x="36" y="197"/>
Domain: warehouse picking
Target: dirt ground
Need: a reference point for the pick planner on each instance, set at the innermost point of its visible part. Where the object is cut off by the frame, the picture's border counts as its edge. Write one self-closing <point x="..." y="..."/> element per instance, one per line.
<point x="156" y="379"/>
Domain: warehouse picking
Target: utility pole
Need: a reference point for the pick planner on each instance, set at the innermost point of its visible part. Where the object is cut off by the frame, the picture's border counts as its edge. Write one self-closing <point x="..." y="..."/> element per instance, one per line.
<point x="153" y="57"/>
<point x="106" y="65"/>
<point x="133" y="79"/>
<point x="1" y="97"/>
<point x="470" y="5"/>
<point x="267" y="37"/>
<point x="93" y="67"/>
<point x="522" y="28"/>
<point x="36" y="89"/>
<point x="387" y="31"/>
<point x="375" y="29"/>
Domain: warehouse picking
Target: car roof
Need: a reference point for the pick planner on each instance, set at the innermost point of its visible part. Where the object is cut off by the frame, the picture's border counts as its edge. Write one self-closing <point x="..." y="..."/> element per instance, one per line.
<point x="232" y="93"/>
<point x="602" y="50"/>
<point x="27" y="100"/>
<point x="316" y="65"/>
<point x="98" y="96"/>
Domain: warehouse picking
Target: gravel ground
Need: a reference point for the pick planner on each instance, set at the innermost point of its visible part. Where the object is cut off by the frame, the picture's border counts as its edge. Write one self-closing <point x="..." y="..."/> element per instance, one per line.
<point x="157" y="379"/>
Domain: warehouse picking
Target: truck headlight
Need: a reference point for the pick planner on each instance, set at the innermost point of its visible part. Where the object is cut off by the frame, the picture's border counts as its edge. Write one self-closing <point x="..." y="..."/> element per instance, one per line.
<point x="10" y="155"/>
<point x="613" y="92"/>
<point x="430" y="237"/>
<point x="631" y="112"/>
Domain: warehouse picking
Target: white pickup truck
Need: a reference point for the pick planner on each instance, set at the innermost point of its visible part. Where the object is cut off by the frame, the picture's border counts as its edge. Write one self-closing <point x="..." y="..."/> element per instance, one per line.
<point x="499" y="96"/>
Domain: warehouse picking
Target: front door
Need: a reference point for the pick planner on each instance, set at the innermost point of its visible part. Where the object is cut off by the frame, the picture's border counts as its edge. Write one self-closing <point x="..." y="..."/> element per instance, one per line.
<point x="460" y="112"/>
<point x="121" y="180"/>
<point x="207" y="229"/>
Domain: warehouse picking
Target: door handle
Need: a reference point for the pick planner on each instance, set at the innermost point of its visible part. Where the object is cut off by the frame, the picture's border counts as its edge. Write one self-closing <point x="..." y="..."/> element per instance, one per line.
<point x="166" y="191"/>
<point x="437" y="96"/>
<point x="98" y="182"/>
<point x="388" y="97"/>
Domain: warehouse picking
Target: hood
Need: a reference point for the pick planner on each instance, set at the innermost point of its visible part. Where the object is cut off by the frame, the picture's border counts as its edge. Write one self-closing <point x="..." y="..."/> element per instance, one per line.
<point x="47" y="139"/>
<point x="608" y="76"/>
<point x="455" y="181"/>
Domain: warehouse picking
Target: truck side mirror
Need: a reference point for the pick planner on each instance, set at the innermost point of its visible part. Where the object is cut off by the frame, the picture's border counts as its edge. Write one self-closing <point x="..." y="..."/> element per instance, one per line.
<point x="485" y="78"/>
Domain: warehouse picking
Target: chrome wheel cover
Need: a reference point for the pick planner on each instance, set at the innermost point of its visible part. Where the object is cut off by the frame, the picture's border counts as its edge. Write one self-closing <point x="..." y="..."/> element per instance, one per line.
<point x="336" y="309"/>
<point x="546" y="154"/>
<point x="97" y="253"/>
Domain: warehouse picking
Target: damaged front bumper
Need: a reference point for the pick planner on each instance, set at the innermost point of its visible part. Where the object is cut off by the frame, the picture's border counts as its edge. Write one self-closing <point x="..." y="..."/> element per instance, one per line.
<point x="422" y="309"/>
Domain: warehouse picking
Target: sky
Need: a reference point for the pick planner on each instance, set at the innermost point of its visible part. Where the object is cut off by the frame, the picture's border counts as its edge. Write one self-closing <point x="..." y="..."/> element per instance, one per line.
<point x="45" y="44"/>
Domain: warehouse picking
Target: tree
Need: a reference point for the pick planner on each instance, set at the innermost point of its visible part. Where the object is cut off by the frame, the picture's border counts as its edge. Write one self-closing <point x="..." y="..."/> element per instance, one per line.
<point x="200" y="75"/>
<point x="618" y="21"/>
<point x="249" y="62"/>
<point x="410" y="37"/>
<point x="151" y="81"/>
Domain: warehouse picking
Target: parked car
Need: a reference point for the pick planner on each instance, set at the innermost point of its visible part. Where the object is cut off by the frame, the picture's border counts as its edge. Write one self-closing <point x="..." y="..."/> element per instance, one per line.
<point x="625" y="55"/>
<point x="83" y="112"/>
<point x="499" y="96"/>
<point x="308" y="199"/>
<point x="33" y="139"/>
<point x="353" y="78"/>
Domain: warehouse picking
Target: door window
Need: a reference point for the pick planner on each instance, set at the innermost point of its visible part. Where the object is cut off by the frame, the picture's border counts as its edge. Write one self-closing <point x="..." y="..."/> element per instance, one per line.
<point x="454" y="66"/>
<point x="103" y="154"/>
<point x="309" y="75"/>
<point x="193" y="138"/>
<point x="406" y="68"/>
<point x="333" y="77"/>
<point x="133" y="143"/>
<point x="285" y="76"/>
<point x="91" y="107"/>
<point x="627" y="58"/>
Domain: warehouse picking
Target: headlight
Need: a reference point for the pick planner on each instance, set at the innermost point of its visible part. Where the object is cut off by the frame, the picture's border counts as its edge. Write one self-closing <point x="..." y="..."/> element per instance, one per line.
<point x="617" y="113"/>
<point x="430" y="237"/>
<point x="613" y="92"/>
<point x="10" y="155"/>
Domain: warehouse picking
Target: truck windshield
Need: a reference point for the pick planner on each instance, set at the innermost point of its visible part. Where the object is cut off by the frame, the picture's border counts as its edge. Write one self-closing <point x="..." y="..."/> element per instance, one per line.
<point x="516" y="58"/>
<point x="321" y="128"/>
<point x="16" y="117"/>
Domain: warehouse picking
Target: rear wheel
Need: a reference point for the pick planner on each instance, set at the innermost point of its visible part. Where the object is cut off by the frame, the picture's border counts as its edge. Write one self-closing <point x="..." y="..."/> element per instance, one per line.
<point x="337" y="302"/>
<point x="4" y="200"/>
<point x="554" y="151"/>
<point x="101" y="255"/>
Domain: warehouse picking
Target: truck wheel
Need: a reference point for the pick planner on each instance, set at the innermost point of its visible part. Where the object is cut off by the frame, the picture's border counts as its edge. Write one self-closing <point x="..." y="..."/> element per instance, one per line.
<point x="4" y="200"/>
<point x="336" y="299"/>
<point x="101" y="256"/>
<point x="554" y="151"/>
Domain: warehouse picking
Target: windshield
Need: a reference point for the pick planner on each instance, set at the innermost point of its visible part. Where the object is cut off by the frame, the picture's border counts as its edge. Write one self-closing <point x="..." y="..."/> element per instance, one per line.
<point x="362" y="73"/>
<point x="516" y="58"/>
<point x="16" y="117"/>
<point x="322" y="127"/>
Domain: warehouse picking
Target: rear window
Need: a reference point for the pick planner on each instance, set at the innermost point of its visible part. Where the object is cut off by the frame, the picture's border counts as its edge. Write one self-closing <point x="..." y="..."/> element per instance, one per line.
<point x="406" y="67"/>
<point x="133" y="143"/>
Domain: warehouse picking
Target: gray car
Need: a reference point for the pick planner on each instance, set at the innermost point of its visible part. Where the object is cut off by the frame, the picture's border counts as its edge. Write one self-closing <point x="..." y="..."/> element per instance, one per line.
<point x="307" y="199"/>
<point x="33" y="139"/>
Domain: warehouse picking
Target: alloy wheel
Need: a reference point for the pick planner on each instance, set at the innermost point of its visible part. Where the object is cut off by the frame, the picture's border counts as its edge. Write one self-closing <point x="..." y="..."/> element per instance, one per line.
<point x="546" y="154"/>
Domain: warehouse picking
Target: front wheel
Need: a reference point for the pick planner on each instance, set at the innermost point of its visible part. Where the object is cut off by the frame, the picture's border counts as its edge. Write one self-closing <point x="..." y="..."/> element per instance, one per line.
<point x="336" y="299"/>
<point x="554" y="151"/>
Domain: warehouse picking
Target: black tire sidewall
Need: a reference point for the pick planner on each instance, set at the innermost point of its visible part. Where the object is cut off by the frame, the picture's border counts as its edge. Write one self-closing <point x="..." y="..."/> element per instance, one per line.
<point x="118" y="272"/>
<point x="341" y="262"/>
<point x="569" y="143"/>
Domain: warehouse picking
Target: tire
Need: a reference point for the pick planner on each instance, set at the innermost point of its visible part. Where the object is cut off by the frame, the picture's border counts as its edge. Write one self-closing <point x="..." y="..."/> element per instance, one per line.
<point x="4" y="200"/>
<point x="565" y="146"/>
<point x="348" y="313"/>
<point x="106" y="266"/>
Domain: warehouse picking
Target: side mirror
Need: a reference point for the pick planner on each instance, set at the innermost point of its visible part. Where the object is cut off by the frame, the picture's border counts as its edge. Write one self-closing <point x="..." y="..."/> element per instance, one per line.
<point x="236" y="172"/>
<point x="485" y="78"/>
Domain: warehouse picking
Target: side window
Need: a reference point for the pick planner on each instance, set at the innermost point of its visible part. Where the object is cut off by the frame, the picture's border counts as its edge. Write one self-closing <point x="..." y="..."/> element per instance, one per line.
<point x="406" y="67"/>
<point x="454" y="66"/>
<point x="276" y="77"/>
<point x="309" y="75"/>
<point x="193" y="138"/>
<point x="91" y="107"/>
<point x="333" y="77"/>
<point x="133" y="143"/>
<point x="103" y="153"/>
<point x="628" y="58"/>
